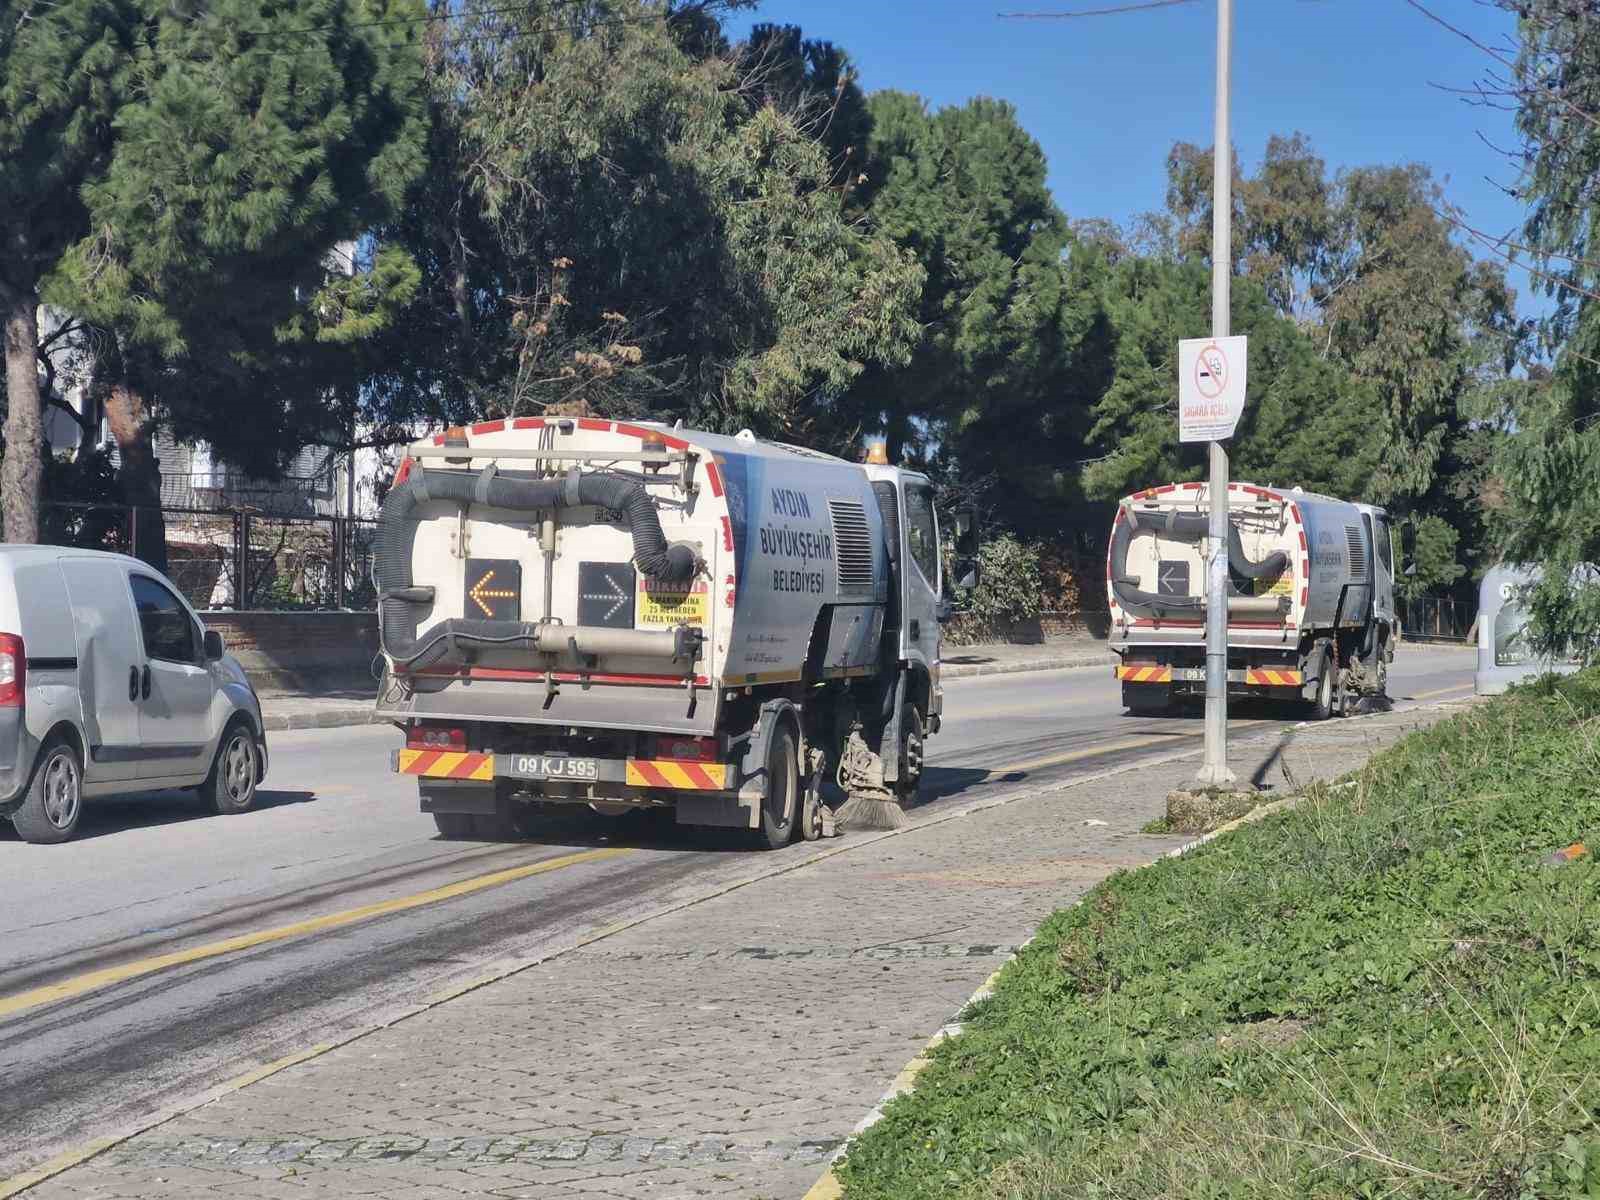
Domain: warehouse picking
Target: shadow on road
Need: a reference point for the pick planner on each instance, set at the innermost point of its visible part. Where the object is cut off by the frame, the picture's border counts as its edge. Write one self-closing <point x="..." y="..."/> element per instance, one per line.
<point x="144" y="810"/>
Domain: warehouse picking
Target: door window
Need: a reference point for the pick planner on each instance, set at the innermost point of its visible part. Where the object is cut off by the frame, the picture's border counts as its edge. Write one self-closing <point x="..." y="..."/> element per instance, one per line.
<point x="921" y="532"/>
<point x="1385" y="547"/>
<point x="168" y="632"/>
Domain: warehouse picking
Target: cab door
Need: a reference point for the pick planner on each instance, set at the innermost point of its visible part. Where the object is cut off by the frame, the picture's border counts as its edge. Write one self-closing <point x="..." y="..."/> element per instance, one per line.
<point x="1377" y="522"/>
<point x="920" y="576"/>
<point x="176" y="687"/>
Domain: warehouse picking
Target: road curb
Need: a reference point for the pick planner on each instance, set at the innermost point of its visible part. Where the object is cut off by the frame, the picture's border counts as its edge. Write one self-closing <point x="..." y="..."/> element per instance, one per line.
<point x="968" y="670"/>
<point x="329" y="718"/>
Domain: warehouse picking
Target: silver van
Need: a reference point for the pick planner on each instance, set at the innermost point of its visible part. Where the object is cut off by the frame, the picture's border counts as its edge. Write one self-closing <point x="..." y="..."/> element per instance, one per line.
<point x="109" y="683"/>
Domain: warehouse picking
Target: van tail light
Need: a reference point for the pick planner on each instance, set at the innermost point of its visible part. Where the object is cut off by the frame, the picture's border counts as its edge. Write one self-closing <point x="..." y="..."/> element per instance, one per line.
<point x="435" y="737"/>
<point x="13" y="671"/>
<point x="687" y="749"/>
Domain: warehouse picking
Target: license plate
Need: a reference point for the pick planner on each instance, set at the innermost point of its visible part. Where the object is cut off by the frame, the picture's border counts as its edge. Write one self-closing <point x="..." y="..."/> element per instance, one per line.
<point x="548" y="766"/>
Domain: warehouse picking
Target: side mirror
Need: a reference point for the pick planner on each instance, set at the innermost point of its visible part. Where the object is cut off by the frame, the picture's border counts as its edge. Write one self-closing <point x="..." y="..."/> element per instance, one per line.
<point x="965" y="521"/>
<point x="213" y="644"/>
<point x="1408" y="541"/>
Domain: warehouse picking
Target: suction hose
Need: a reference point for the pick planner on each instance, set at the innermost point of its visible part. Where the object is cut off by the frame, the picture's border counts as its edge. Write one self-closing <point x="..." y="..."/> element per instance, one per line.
<point x="400" y="603"/>
<point x="1180" y="527"/>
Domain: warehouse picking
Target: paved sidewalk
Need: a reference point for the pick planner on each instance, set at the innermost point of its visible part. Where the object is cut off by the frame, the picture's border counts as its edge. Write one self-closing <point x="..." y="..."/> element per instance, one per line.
<point x="725" y="1049"/>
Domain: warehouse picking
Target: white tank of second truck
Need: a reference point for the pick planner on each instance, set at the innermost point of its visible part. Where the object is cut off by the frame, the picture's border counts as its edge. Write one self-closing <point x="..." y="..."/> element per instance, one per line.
<point x="1324" y="539"/>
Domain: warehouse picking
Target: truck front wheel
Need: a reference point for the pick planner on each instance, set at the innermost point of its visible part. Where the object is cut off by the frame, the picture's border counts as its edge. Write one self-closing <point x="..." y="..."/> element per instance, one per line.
<point x="780" y="806"/>
<point x="911" y="753"/>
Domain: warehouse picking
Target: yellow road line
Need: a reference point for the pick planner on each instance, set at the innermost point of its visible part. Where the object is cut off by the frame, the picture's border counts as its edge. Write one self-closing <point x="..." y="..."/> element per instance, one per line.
<point x="55" y="1166"/>
<point x="1055" y="760"/>
<point x="93" y="980"/>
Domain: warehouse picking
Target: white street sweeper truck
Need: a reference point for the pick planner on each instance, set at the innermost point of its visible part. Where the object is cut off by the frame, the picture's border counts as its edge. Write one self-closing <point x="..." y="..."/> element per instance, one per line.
<point x="577" y="611"/>
<point x="1311" y="614"/>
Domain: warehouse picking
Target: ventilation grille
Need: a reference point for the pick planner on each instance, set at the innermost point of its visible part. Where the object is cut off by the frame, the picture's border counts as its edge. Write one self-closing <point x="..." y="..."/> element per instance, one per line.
<point x="852" y="541"/>
<point x="1358" y="552"/>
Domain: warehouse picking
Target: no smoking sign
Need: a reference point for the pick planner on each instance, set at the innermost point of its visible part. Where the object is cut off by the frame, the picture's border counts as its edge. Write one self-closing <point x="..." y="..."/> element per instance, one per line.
<point x="1211" y="388"/>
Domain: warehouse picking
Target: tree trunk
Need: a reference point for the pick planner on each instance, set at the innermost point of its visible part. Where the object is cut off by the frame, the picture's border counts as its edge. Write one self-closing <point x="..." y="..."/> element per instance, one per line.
<point x="23" y="474"/>
<point x="140" y="474"/>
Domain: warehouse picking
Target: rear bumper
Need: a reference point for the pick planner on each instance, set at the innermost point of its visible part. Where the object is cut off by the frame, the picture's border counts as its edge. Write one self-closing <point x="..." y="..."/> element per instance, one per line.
<point x="1252" y="677"/>
<point x="466" y="766"/>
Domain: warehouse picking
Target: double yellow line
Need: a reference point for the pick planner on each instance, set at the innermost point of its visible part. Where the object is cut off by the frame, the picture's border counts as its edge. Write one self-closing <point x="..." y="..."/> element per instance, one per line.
<point x="91" y="981"/>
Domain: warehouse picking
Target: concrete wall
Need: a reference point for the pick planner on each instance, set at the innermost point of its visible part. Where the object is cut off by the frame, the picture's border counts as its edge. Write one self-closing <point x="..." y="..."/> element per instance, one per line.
<point x="323" y="653"/>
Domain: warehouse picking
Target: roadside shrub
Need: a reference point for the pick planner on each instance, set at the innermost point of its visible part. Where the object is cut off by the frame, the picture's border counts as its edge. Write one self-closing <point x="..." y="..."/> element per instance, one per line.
<point x="1010" y="585"/>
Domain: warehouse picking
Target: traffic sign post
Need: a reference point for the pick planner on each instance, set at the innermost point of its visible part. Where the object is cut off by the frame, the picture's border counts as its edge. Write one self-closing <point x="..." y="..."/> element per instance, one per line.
<point x="1215" y="371"/>
<point x="1211" y="387"/>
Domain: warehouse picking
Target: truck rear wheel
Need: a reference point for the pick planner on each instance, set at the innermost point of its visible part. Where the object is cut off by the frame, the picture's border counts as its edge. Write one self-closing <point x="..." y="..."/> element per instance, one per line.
<point x="780" y="806"/>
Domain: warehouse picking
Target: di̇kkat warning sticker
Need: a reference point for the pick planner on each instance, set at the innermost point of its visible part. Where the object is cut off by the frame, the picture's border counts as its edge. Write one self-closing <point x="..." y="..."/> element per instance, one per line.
<point x="669" y="604"/>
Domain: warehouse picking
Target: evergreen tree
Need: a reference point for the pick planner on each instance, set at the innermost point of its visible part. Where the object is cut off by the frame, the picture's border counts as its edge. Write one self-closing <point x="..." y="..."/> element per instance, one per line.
<point x="621" y="222"/>
<point x="251" y="138"/>
<point x="65" y="67"/>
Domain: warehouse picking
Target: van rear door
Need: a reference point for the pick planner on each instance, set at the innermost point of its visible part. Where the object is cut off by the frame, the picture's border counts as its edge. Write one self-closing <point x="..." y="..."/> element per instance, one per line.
<point x="109" y="656"/>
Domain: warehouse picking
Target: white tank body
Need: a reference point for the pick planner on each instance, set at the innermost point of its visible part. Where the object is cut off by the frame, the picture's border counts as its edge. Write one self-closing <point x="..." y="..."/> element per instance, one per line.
<point x="1327" y="549"/>
<point x="782" y="533"/>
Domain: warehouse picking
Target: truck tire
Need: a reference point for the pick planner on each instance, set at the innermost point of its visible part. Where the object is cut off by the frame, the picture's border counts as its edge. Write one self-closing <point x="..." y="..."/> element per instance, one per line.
<point x="780" y="807"/>
<point x="230" y="789"/>
<point x="1322" y="706"/>
<point x="911" y="754"/>
<point x="53" y="803"/>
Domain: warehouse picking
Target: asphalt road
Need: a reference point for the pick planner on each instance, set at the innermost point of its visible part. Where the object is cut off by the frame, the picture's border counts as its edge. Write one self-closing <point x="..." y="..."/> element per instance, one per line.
<point x="165" y="951"/>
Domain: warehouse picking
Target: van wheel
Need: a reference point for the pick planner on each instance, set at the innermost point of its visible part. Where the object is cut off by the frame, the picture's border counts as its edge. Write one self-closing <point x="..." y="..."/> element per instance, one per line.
<point x="54" y="800"/>
<point x="231" y="786"/>
<point x="780" y="807"/>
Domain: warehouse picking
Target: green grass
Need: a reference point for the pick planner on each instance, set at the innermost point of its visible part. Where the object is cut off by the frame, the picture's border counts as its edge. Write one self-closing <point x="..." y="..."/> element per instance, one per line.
<point x="1381" y="992"/>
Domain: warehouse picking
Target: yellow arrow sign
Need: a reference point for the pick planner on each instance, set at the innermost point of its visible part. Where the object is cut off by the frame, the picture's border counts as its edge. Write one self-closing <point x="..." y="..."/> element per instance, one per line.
<point x="481" y="591"/>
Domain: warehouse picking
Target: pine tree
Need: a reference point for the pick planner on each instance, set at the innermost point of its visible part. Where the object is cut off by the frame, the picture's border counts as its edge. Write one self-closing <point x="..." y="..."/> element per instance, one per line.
<point x="251" y="139"/>
<point x="65" y="65"/>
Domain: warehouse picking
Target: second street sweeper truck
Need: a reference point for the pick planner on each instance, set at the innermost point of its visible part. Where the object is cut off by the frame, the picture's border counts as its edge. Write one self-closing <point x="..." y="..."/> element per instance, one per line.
<point x="576" y="611"/>
<point x="1311" y="613"/>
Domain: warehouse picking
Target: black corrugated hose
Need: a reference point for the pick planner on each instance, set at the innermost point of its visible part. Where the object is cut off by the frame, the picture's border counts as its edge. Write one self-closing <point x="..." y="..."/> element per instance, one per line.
<point x="400" y="604"/>
<point x="1183" y="527"/>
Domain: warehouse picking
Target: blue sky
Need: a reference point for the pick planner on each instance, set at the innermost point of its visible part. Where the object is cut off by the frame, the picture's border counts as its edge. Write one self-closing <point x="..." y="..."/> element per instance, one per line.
<point x="1107" y="96"/>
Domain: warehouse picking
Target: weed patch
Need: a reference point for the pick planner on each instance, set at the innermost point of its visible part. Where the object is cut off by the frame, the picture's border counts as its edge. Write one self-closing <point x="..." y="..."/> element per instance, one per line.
<point x="1385" y="991"/>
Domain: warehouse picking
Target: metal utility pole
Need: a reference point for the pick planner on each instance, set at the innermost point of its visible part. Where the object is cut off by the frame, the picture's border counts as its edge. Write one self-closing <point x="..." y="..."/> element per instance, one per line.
<point x="1214" y="770"/>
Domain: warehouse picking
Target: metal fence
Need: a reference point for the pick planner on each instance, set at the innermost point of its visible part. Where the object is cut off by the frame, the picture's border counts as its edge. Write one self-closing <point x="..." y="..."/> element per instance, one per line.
<point x="1436" y="618"/>
<point x="234" y="558"/>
